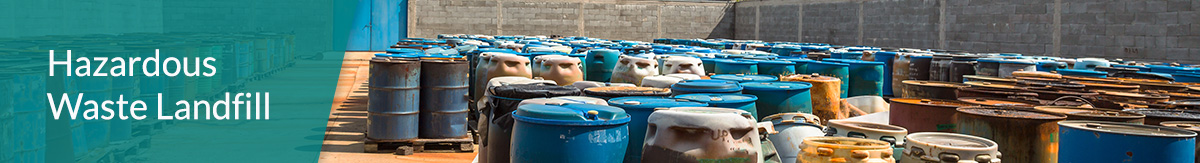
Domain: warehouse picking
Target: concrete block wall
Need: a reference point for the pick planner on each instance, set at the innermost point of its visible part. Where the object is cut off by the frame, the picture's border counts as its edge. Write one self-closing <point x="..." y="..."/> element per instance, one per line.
<point x="1151" y="30"/>
<point x="610" y="19"/>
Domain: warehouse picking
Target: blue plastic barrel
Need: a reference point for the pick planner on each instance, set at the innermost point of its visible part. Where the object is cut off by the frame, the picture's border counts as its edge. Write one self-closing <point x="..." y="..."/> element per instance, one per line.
<point x="1140" y="68"/>
<point x="734" y="101"/>
<point x="443" y="96"/>
<point x="1187" y="77"/>
<point x="600" y="64"/>
<point x="393" y="111"/>
<point x="887" y="58"/>
<point x="780" y="97"/>
<point x="639" y="109"/>
<point x="839" y="70"/>
<point x="710" y="64"/>
<point x="784" y="50"/>
<point x="582" y="133"/>
<point x="776" y="67"/>
<point x="801" y="64"/>
<point x="866" y="78"/>
<point x="1083" y="73"/>
<point x="856" y="55"/>
<point x="1169" y="69"/>
<point x="744" y="78"/>
<point x="705" y="86"/>
<point x="1098" y="141"/>
<point x="1090" y="63"/>
<point x="728" y="66"/>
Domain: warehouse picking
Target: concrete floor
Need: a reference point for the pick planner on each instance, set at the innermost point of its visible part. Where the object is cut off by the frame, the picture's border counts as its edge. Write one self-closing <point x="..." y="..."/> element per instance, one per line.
<point x="348" y="119"/>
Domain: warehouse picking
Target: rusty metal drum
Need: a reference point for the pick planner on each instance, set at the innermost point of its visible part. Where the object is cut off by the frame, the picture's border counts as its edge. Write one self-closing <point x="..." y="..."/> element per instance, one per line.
<point x="979" y="78"/>
<point x="1001" y="102"/>
<point x="1023" y="135"/>
<point x="1133" y="97"/>
<point x="918" y="67"/>
<point x="937" y="147"/>
<point x="845" y="150"/>
<point x="931" y="89"/>
<point x="825" y="95"/>
<point x="443" y="99"/>
<point x="939" y="68"/>
<point x="992" y="93"/>
<point x="893" y="135"/>
<point x="923" y="115"/>
<point x="1098" y="141"/>
<point x="701" y="134"/>
<point x="1193" y="126"/>
<point x="899" y="72"/>
<point x="1102" y="86"/>
<point x="1095" y="114"/>
<point x="1155" y="116"/>
<point x="393" y="108"/>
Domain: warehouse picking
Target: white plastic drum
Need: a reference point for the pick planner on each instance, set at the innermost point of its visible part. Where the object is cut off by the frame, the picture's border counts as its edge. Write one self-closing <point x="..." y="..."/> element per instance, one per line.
<point x="504" y="64"/>
<point x="633" y="69"/>
<point x="701" y="134"/>
<point x="539" y="67"/>
<point x="665" y="81"/>
<point x="845" y="150"/>
<point x="792" y="129"/>
<point x="892" y="134"/>
<point x="563" y="70"/>
<point x="683" y="65"/>
<point x="933" y="147"/>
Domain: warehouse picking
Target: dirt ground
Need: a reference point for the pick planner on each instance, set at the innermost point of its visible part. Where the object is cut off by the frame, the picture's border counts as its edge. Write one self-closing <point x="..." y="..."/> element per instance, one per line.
<point x="348" y="121"/>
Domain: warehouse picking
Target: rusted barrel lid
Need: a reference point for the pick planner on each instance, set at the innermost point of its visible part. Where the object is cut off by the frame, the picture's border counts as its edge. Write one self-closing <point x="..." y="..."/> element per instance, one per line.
<point x="1093" y="85"/>
<point x="995" y="102"/>
<point x="1161" y="86"/>
<point x="1107" y="114"/>
<point x="1194" y="88"/>
<point x="988" y="79"/>
<point x="1036" y="74"/>
<point x="1091" y="79"/>
<point x="1134" y="95"/>
<point x="937" y="146"/>
<point x="1004" y="112"/>
<point x="1000" y="92"/>
<point x="1128" y="129"/>
<point x="1190" y="103"/>
<point x="1060" y="93"/>
<point x="931" y="102"/>
<point x="846" y="143"/>
<point x="1069" y="109"/>
<point x="934" y="84"/>
<point x="868" y="126"/>
<point x="1168" y="113"/>
<point x="1186" y="125"/>
<point x="626" y="91"/>
<point x="1019" y="79"/>
<point x="993" y="85"/>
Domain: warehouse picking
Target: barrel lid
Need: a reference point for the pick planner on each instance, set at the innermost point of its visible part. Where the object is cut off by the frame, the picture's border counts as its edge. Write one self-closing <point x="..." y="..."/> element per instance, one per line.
<point x="868" y="126"/>
<point x="847" y="143"/>
<point x="994" y="102"/>
<point x="1074" y="72"/>
<point x="571" y="114"/>
<point x="1186" y="125"/>
<point x="1107" y="114"/>
<point x="1069" y="109"/>
<point x="706" y="85"/>
<point x="800" y="60"/>
<point x="951" y="141"/>
<point x="922" y="57"/>
<point x="1127" y="128"/>
<point x="780" y="62"/>
<point x="858" y="62"/>
<point x="403" y="50"/>
<point x="1105" y="85"/>
<point x="787" y="118"/>
<point x="744" y="78"/>
<point x="1011" y="113"/>
<point x="1168" y="113"/>
<point x="934" y="84"/>
<point x="830" y="63"/>
<point x="931" y="102"/>
<point x="1132" y="95"/>
<point x="991" y="85"/>
<point x="619" y="91"/>
<point x="719" y="98"/>
<point x="1188" y="102"/>
<point x="990" y="79"/>
<point x="650" y="103"/>
<point x="740" y="62"/>
<point x="776" y="86"/>
<point x="1018" y="61"/>
<point x="812" y="78"/>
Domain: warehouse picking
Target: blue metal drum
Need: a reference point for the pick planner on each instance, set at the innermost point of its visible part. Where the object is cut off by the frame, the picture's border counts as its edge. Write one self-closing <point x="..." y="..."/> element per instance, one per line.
<point x="733" y="101"/>
<point x="443" y="112"/>
<point x="706" y="86"/>
<point x="28" y="114"/>
<point x="780" y="97"/>
<point x="392" y="111"/>
<point x="639" y="109"/>
<point x="729" y="66"/>
<point x="776" y="67"/>
<point x="988" y="67"/>
<point x="1048" y="66"/>
<point x="744" y="78"/>
<point x="600" y="64"/>
<point x="97" y="88"/>
<point x="579" y="133"/>
<point x="887" y="58"/>
<point x="866" y="78"/>
<point x="839" y="70"/>
<point x="1083" y="73"/>
<point x="1097" y="141"/>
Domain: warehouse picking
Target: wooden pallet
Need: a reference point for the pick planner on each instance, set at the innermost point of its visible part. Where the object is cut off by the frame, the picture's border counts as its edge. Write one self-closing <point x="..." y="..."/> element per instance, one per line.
<point x="408" y="147"/>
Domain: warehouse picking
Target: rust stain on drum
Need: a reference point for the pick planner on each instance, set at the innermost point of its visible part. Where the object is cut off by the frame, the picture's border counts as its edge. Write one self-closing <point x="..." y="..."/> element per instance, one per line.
<point x="931" y="89"/>
<point x="924" y="115"/>
<point x="996" y="102"/>
<point x="992" y="93"/>
<point x="826" y="95"/>
<point x="1023" y="135"/>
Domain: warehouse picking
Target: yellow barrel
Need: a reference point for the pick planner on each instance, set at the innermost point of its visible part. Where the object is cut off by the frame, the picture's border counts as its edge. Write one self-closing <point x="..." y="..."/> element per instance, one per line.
<point x="826" y="95"/>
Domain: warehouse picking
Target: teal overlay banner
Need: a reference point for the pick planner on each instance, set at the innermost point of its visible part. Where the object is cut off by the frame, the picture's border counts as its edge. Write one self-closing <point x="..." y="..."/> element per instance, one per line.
<point x="168" y="81"/>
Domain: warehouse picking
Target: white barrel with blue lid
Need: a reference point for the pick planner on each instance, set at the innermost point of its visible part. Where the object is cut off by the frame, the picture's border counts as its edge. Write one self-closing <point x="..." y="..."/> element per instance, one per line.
<point x="639" y="109"/>
<point x="569" y="133"/>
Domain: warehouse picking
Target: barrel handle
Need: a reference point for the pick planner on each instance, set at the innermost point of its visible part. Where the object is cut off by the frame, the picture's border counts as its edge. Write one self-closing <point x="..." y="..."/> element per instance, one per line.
<point x="1075" y="97"/>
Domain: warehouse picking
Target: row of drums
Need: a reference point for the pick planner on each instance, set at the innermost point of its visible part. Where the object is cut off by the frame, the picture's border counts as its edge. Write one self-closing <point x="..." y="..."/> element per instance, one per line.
<point x="413" y="95"/>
